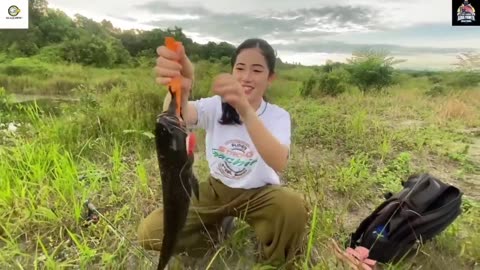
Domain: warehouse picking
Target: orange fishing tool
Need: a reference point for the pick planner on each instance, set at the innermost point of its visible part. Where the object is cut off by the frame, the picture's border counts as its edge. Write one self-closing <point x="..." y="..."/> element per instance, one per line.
<point x="175" y="84"/>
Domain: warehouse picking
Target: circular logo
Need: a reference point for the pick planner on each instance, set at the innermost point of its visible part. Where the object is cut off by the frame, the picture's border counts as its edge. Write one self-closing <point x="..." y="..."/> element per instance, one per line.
<point x="236" y="159"/>
<point x="13" y="10"/>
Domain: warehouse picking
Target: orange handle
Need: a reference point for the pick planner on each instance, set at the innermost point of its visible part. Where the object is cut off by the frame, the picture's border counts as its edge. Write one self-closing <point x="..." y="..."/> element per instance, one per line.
<point x="176" y="82"/>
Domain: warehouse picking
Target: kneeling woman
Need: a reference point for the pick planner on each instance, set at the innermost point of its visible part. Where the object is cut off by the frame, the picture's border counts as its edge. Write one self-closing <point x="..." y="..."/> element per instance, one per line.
<point x="247" y="147"/>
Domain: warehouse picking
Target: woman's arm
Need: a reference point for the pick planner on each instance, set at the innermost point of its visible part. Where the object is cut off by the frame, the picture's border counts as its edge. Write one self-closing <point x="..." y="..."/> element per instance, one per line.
<point x="268" y="146"/>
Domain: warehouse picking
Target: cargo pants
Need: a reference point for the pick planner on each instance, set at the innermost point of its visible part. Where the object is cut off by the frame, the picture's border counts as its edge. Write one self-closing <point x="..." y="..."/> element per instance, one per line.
<point x="277" y="214"/>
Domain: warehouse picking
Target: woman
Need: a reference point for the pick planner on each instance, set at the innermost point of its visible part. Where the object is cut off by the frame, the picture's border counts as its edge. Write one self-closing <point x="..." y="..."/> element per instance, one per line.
<point x="247" y="147"/>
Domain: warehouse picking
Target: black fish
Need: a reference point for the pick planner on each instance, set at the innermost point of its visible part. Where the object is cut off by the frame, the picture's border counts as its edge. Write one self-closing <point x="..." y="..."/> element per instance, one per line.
<point x="178" y="180"/>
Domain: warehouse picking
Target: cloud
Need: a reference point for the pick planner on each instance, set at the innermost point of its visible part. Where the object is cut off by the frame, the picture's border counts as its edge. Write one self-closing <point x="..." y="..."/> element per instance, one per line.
<point x="124" y="18"/>
<point x="314" y="45"/>
<point x="292" y="24"/>
<point x="322" y="29"/>
<point x="160" y="7"/>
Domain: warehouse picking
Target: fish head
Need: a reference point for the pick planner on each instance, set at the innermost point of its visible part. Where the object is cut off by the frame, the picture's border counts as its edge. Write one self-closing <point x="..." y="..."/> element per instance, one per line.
<point x="171" y="136"/>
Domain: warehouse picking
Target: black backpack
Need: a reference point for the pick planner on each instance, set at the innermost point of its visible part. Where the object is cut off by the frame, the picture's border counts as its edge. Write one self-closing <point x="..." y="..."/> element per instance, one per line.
<point x="423" y="209"/>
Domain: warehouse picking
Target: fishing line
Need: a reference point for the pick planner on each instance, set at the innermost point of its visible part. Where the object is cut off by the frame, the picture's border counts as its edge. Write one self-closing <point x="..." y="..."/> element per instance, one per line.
<point x="198" y="214"/>
<point x="400" y="204"/>
<point x="92" y="208"/>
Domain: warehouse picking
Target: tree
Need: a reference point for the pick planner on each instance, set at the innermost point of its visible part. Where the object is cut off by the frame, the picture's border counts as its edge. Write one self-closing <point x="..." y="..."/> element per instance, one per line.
<point x="89" y="50"/>
<point x="371" y="70"/>
<point x="96" y="43"/>
<point x="56" y="27"/>
<point x="334" y="82"/>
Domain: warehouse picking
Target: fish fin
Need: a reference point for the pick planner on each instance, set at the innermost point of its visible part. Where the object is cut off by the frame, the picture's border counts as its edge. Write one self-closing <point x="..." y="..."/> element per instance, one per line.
<point x="194" y="185"/>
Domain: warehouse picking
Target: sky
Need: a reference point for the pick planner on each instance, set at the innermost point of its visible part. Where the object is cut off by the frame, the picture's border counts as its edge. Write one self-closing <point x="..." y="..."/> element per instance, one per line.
<point x="309" y="32"/>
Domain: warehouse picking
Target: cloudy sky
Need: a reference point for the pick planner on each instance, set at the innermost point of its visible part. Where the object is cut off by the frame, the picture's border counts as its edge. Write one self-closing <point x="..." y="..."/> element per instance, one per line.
<point x="305" y="31"/>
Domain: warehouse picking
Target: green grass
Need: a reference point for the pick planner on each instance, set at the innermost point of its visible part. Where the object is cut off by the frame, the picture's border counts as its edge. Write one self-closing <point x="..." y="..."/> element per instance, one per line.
<point x="348" y="151"/>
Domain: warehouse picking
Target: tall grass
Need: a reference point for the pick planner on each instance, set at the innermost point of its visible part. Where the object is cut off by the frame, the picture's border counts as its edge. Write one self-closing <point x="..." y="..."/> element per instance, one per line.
<point x="347" y="152"/>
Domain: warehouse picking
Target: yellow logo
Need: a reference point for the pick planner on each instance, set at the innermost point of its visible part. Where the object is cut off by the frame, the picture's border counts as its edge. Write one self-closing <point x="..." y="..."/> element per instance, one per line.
<point x="13" y="10"/>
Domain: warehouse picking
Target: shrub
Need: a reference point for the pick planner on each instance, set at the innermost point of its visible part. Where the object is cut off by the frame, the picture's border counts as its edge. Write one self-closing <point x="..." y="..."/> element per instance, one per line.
<point x="436" y="90"/>
<point x="371" y="71"/>
<point x="334" y="83"/>
<point x="27" y="66"/>
<point x="308" y="86"/>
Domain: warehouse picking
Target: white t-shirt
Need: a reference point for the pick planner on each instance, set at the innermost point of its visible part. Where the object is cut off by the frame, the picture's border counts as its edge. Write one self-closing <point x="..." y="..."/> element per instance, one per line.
<point x="231" y="154"/>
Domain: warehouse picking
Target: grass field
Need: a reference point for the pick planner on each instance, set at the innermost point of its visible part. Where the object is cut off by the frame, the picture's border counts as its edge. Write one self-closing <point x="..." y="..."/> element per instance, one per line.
<point x="347" y="152"/>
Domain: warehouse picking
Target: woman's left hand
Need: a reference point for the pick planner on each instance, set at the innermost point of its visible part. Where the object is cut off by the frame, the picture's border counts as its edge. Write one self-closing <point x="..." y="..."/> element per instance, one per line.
<point x="226" y="86"/>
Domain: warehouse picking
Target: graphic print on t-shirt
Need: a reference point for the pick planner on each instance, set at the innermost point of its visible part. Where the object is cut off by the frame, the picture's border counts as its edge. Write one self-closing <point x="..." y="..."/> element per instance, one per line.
<point x="237" y="159"/>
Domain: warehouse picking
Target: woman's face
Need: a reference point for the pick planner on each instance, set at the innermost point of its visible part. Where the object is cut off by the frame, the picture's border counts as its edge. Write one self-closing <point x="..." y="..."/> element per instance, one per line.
<point x="251" y="70"/>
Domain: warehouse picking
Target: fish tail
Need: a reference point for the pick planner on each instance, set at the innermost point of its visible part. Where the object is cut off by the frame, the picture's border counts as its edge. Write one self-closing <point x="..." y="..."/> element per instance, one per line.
<point x="168" y="244"/>
<point x="162" y="263"/>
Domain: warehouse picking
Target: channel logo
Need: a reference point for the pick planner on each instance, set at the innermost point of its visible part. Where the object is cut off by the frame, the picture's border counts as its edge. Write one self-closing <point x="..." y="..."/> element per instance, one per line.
<point x="464" y="14"/>
<point x="14" y="14"/>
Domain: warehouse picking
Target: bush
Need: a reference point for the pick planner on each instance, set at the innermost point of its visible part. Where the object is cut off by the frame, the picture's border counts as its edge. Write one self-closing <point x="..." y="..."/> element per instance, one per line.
<point x="94" y="51"/>
<point x="27" y="66"/>
<point x="370" y="75"/>
<point x="463" y="79"/>
<point x="3" y="57"/>
<point x="5" y="100"/>
<point x="50" y="54"/>
<point x="308" y="86"/>
<point x="435" y="79"/>
<point x="371" y="70"/>
<point x="436" y="90"/>
<point x="23" y="49"/>
<point x="334" y="83"/>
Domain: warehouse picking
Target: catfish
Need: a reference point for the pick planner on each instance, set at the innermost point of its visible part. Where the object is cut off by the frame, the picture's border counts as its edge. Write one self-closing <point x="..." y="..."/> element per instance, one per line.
<point x="174" y="147"/>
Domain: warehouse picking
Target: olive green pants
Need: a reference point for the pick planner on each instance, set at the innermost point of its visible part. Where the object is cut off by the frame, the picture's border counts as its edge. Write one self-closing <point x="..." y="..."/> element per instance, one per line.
<point x="277" y="214"/>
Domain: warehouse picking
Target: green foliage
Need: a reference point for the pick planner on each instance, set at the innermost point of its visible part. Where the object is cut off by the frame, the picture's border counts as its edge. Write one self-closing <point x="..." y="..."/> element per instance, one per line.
<point x="347" y="152"/>
<point x="294" y="73"/>
<point x="22" y="48"/>
<point x="50" y="54"/>
<point x="283" y="89"/>
<point x="334" y="82"/>
<point x="205" y="72"/>
<point x="463" y="79"/>
<point x="87" y="42"/>
<point x="27" y="66"/>
<point x="330" y="66"/>
<point x="435" y="79"/>
<point x="308" y="86"/>
<point x="371" y="70"/>
<point x="56" y="27"/>
<point x="436" y="90"/>
<point x="89" y="51"/>
<point x="5" y="101"/>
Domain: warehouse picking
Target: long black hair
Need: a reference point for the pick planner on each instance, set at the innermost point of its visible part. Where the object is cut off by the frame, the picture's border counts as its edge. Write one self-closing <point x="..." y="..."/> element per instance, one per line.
<point x="229" y="114"/>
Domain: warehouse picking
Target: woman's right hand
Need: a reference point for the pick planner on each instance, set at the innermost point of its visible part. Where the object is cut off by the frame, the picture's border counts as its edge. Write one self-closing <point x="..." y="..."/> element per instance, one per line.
<point x="170" y="64"/>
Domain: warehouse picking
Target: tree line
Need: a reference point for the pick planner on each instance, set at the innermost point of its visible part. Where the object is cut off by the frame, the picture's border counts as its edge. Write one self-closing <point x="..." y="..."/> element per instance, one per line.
<point x="57" y="37"/>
